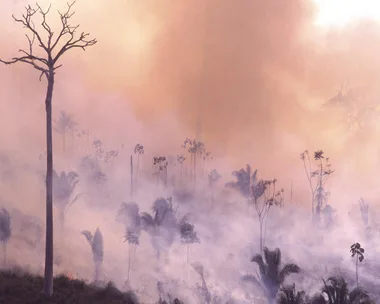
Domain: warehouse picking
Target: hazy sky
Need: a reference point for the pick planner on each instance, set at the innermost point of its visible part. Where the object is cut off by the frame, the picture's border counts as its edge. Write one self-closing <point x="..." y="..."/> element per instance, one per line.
<point x="255" y="71"/>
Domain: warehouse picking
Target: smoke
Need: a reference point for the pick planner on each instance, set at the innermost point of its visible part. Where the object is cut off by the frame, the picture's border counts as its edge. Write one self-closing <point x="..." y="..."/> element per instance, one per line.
<point x="252" y="76"/>
<point x="249" y="73"/>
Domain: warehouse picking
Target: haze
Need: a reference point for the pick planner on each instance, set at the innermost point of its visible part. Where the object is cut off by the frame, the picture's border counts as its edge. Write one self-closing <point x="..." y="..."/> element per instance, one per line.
<point x="250" y="78"/>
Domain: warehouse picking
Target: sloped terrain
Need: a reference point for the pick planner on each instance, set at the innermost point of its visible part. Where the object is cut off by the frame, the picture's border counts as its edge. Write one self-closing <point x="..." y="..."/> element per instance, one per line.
<point x="22" y="288"/>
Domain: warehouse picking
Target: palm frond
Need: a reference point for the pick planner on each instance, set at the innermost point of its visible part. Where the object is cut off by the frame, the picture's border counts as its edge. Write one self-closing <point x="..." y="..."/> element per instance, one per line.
<point x="359" y="295"/>
<point x="128" y="214"/>
<point x="289" y="295"/>
<point x="287" y="270"/>
<point x="188" y="234"/>
<point x="318" y="299"/>
<point x="258" y="259"/>
<point x="243" y="181"/>
<point x="98" y="246"/>
<point x="75" y="199"/>
<point x="88" y="236"/>
<point x="251" y="279"/>
<point x="161" y="208"/>
<point x="63" y="123"/>
<point x="336" y="289"/>
<point x="64" y="185"/>
<point x="147" y="221"/>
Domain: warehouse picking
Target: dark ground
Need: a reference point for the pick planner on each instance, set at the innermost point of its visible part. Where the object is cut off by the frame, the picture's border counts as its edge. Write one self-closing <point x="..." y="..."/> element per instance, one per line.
<point x="22" y="288"/>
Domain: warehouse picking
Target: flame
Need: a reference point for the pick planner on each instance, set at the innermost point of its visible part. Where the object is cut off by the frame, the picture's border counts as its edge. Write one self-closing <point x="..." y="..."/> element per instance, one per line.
<point x="70" y="276"/>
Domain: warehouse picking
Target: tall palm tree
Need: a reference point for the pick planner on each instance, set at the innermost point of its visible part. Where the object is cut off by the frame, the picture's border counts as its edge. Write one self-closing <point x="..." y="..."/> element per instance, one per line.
<point x="160" y="225"/>
<point x="5" y="230"/>
<point x="138" y="150"/>
<point x="336" y="291"/>
<point x="357" y="252"/>
<point x="188" y="236"/>
<point x="163" y="225"/>
<point x="64" y="186"/>
<point x="289" y="295"/>
<point x="97" y="247"/>
<point x="272" y="275"/>
<point x="129" y="216"/>
<point x="244" y="181"/>
<point x="63" y="125"/>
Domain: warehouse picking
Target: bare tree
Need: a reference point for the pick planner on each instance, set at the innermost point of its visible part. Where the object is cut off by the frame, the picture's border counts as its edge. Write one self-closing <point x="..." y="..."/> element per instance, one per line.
<point x="321" y="173"/>
<point x="263" y="197"/>
<point x="53" y="48"/>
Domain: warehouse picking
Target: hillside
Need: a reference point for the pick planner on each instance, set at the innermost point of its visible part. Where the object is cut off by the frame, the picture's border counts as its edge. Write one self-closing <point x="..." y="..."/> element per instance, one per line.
<point x="22" y="288"/>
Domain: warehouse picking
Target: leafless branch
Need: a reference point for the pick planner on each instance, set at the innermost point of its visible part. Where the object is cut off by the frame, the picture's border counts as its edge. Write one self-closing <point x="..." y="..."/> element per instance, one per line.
<point x="67" y="30"/>
<point x="47" y="65"/>
<point x="44" y="23"/>
<point x="26" y="20"/>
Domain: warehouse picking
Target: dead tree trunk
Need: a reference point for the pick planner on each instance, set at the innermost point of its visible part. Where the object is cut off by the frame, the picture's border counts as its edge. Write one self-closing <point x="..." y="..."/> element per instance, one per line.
<point x="48" y="283"/>
<point x="67" y="39"/>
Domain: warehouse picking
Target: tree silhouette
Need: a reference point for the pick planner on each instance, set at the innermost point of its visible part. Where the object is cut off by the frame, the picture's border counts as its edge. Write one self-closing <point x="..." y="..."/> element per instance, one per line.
<point x="64" y="186"/>
<point x="203" y="290"/>
<point x="244" y="180"/>
<point x="337" y="292"/>
<point x="322" y="173"/>
<point x="97" y="248"/>
<point x="289" y="295"/>
<point x="5" y="230"/>
<point x="162" y="165"/>
<point x="160" y="225"/>
<point x="138" y="150"/>
<point x="263" y="197"/>
<point x="63" y="125"/>
<point x="195" y="148"/>
<point x="188" y="236"/>
<point x="358" y="252"/>
<point x="272" y="275"/>
<point x="129" y="216"/>
<point x="163" y="226"/>
<point x="54" y="47"/>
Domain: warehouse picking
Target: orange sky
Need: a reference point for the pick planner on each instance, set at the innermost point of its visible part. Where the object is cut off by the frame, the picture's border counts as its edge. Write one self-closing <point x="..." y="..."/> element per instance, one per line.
<point x="256" y="70"/>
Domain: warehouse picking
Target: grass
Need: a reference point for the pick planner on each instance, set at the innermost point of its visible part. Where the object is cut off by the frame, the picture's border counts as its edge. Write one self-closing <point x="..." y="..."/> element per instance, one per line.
<point x="17" y="287"/>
